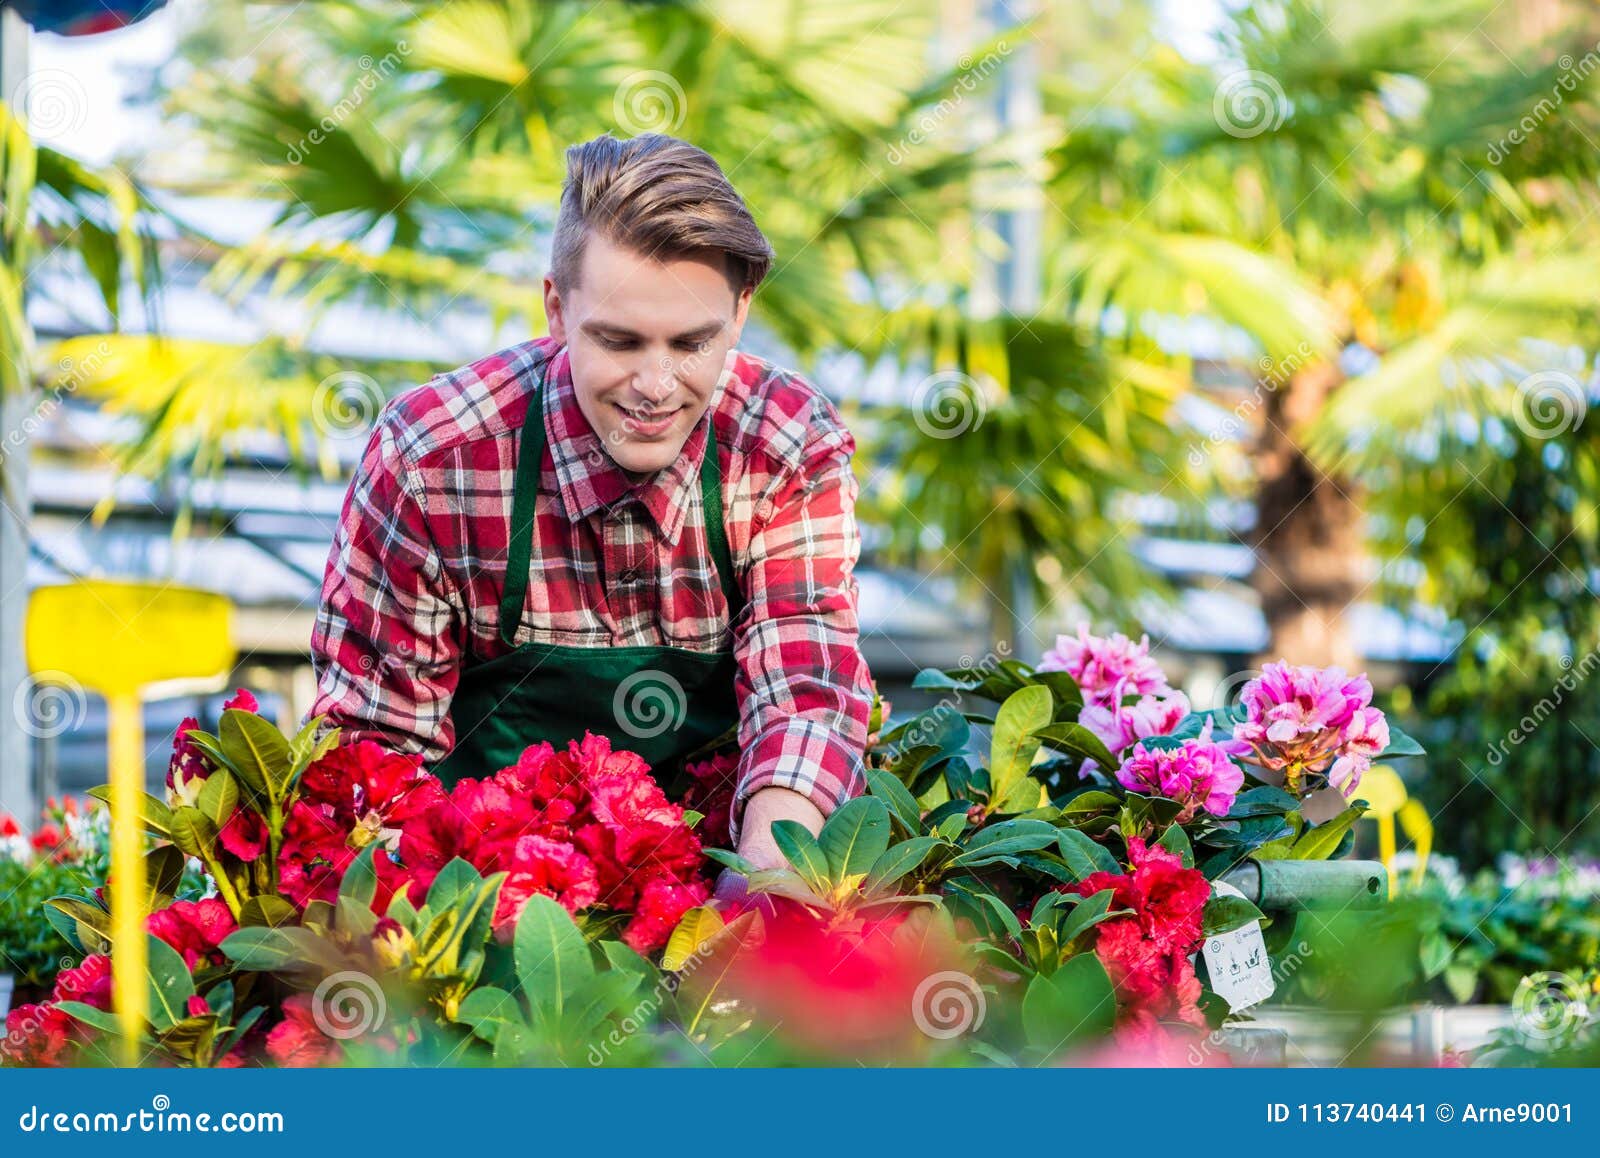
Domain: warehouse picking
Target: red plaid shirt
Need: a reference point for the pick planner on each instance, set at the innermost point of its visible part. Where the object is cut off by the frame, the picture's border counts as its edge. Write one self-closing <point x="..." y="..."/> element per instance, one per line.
<point x="414" y="579"/>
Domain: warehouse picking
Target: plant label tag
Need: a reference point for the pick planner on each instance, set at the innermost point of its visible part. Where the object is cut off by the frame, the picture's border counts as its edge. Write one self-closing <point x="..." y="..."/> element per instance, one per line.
<point x="1240" y="971"/>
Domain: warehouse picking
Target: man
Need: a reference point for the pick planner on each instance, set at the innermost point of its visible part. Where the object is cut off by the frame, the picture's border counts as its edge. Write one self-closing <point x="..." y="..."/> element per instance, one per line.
<point x="629" y="527"/>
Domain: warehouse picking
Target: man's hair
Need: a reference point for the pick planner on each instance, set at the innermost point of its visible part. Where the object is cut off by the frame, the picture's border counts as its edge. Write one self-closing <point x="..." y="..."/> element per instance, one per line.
<point x="660" y="197"/>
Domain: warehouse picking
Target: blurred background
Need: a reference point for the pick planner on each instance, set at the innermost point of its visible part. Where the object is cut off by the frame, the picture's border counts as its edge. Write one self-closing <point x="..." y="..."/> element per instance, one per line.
<point x="1264" y="328"/>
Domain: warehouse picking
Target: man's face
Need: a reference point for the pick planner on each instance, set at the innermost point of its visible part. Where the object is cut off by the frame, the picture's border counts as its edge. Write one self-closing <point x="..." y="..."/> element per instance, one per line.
<point x="647" y="340"/>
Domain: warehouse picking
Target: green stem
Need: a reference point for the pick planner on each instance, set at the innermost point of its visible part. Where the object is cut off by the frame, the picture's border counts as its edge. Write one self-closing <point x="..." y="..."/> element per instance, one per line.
<point x="224" y="885"/>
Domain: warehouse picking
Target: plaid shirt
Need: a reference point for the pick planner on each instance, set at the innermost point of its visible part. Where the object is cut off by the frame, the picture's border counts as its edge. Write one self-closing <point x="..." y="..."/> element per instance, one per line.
<point x="418" y="564"/>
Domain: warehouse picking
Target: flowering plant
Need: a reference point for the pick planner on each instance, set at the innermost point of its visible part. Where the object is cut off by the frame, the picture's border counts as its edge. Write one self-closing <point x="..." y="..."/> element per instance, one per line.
<point x="346" y="877"/>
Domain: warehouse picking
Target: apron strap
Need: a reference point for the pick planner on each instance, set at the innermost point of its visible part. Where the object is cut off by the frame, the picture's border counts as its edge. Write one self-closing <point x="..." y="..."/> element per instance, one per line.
<point x="524" y="498"/>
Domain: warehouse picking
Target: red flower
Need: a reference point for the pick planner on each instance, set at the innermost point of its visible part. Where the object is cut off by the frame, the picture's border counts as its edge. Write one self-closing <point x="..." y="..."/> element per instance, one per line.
<point x="47" y="838"/>
<point x="243" y="700"/>
<point x="314" y="854"/>
<point x="197" y="1006"/>
<point x="89" y="983"/>
<point x="662" y="903"/>
<point x="194" y="929"/>
<point x="9" y="825"/>
<point x="711" y="790"/>
<point x="39" y="1035"/>
<point x="297" y="1040"/>
<point x="245" y="834"/>
<point x="549" y="867"/>
<point x="364" y="777"/>
<point x="1147" y="954"/>
<point x="587" y="826"/>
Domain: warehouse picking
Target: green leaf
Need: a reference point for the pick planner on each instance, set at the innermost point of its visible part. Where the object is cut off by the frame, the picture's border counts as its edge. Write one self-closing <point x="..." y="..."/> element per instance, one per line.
<point x="192" y="831"/>
<point x="1176" y="841"/>
<point x="1320" y="842"/>
<point x="1085" y="856"/>
<point x="256" y="750"/>
<point x="1074" y="1003"/>
<point x="898" y="861"/>
<point x="552" y="959"/>
<point x="783" y="883"/>
<point x="157" y="816"/>
<point x="952" y="826"/>
<point x="731" y="859"/>
<point x="1225" y="913"/>
<point x="360" y="883"/>
<point x="219" y="796"/>
<point x="1264" y="801"/>
<point x="307" y="748"/>
<point x="265" y="949"/>
<point x="1014" y="743"/>
<point x="802" y="851"/>
<point x="1401" y="744"/>
<point x="169" y="983"/>
<point x="1076" y="740"/>
<point x="90" y="1016"/>
<point x="1068" y="695"/>
<point x="453" y="880"/>
<point x="1085" y="915"/>
<point x="486" y="1009"/>
<point x="855" y="836"/>
<point x="893" y="792"/>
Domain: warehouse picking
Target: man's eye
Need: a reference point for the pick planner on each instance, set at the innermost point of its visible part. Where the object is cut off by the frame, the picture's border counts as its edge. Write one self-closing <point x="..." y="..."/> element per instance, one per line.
<point x="615" y="343"/>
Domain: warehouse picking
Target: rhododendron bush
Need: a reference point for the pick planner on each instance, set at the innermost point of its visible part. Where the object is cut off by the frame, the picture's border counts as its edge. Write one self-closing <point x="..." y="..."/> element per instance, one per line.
<point x="1017" y="884"/>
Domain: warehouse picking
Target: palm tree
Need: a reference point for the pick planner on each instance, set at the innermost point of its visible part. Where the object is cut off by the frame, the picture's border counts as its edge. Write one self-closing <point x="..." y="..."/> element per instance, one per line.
<point x="414" y="153"/>
<point x="1332" y="179"/>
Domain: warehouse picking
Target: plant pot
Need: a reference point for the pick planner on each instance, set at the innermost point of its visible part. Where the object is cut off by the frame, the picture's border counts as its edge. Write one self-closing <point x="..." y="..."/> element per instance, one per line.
<point x="7" y="983"/>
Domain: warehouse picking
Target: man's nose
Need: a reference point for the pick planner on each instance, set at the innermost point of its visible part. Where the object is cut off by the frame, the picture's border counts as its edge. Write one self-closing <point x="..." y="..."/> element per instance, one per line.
<point x="658" y="381"/>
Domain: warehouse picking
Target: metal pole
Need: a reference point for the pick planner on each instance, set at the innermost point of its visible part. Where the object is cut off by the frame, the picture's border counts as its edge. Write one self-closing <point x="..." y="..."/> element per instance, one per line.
<point x="17" y="789"/>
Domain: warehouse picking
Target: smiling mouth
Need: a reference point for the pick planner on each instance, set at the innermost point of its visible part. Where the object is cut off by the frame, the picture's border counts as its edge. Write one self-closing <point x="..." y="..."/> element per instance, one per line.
<point x="648" y="421"/>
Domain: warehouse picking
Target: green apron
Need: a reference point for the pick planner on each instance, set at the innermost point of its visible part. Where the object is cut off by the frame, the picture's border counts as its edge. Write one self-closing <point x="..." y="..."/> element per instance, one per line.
<point x="662" y="702"/>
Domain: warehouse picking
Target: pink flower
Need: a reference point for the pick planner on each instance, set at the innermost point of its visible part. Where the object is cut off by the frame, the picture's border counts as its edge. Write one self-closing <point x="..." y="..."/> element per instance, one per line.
<point x="1120" y="726"/>
<point x="1312" y="720"/>
<point x="1200" y="774"/>
<point x="1106" y="669"/>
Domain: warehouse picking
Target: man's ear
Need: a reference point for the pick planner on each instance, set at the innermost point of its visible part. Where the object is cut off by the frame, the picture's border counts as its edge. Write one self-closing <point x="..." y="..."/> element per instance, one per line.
<point x="552" y="311"/>
<point x="741" y="310"/>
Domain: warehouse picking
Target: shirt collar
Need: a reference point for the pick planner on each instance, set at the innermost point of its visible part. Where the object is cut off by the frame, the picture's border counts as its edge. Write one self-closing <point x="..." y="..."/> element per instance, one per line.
<point x="588" y="478"/>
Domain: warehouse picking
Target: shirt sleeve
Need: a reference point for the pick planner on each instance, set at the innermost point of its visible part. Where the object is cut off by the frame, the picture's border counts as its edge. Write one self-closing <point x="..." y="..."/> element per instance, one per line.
<point x="388" y="635"/>
<point x="803" y="688"/>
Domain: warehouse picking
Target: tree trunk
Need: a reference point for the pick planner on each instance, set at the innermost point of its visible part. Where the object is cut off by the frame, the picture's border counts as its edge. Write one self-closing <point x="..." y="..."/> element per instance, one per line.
<point x="1310" y="557"/>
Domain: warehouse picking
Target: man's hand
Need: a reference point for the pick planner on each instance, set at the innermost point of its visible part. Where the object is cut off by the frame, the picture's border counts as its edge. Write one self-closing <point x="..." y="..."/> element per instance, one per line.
<point x="755" y="833"/>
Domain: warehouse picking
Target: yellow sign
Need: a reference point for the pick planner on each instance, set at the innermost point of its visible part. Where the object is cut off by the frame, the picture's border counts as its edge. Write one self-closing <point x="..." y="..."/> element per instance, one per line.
<point x="1382" y="788"/>
<point x="117" y="638"/>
